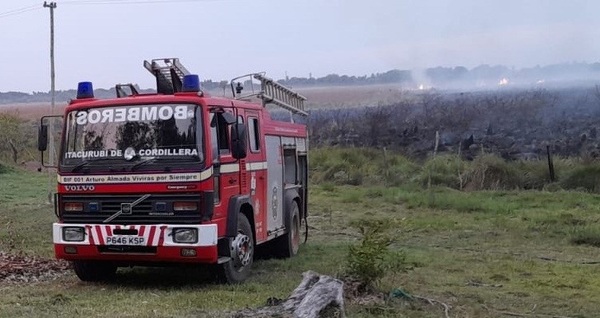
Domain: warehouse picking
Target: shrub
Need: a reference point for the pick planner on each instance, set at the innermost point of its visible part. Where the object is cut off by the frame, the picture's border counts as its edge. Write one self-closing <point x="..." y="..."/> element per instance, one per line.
<point x="398" y="170"/>
<point x="587" y="235"/>
<point x="16" y="138"/>
<point x="375" y="167"/>
<point x="358" y="166"/>
<point x="534" y="174"/>
<point x="584" y="177"/>
<point x="443" y="170"/>
<point x="369" y="260"/>
<point x="4" y="168"/>
<point x="489" y="172"/>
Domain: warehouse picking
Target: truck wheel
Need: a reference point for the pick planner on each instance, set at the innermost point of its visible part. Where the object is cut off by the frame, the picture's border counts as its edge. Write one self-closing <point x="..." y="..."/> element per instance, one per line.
<point x="289" y="244"/>
<point x="94" y="271"/>
<point x="237" y="270"/>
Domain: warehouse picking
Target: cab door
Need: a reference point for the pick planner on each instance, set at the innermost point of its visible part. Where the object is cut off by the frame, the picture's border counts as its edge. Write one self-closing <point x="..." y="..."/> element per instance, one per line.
<point x="256" y="167"/>
<point x="225" y="167"/>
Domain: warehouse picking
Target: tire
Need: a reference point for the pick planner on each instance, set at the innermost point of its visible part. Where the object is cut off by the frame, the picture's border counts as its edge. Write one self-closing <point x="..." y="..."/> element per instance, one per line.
<point x="288" y="245"/>
<point x="94" y="271"/>
<point x="237" y="270"/>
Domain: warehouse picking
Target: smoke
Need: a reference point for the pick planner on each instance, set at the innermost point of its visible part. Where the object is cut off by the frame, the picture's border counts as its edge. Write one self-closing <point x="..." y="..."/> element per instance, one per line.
<point x="420" y="77"/>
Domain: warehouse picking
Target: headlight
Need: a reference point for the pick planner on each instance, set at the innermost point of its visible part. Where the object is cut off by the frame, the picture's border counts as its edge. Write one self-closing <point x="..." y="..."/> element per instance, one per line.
<point x="73" y="206"/>
<point x="185" y="206"/>
<point x="73" y="234"/>
<point x="184" y="235"/>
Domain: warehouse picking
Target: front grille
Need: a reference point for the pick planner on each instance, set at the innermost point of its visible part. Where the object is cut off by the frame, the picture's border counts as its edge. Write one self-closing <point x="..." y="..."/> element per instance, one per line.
<point x="154" y="210"/>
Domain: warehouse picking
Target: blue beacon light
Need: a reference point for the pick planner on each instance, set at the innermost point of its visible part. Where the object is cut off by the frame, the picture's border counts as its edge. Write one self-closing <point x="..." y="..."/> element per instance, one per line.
<point x="191" y="83"/>
<point x="85" y="90"/>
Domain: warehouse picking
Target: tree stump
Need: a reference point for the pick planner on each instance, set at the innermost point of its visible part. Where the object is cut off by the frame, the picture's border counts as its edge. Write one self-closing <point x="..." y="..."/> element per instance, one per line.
<point x="316" y="296"/>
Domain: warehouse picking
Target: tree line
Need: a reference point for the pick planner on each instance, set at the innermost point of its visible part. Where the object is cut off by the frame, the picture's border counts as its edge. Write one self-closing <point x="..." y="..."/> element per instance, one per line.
<point x="481" y="77"/>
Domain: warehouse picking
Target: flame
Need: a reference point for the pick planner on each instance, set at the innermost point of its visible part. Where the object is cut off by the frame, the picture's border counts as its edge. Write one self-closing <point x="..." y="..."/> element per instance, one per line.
<point x="503" y="81"/>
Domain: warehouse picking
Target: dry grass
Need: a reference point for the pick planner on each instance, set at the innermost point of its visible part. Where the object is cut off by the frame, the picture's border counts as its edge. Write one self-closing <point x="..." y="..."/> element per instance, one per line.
<point x="31" y="111"/>
<point x="318" y="97"/>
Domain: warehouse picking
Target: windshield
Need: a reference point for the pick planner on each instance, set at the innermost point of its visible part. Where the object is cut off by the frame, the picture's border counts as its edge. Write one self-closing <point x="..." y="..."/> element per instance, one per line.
<point x="127" y="134"/>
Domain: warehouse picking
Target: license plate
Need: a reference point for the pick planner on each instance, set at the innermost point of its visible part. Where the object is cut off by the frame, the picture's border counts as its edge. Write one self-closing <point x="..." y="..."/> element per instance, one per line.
<point x="125" y="240"/>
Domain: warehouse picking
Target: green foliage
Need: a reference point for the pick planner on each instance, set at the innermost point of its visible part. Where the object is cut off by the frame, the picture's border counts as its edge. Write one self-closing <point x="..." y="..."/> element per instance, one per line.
<point x="443" y="170"/>
<point x="467" y="249"/>
<point x="369" y="260"/>
<point x="16" y="138"/>
<point x="534" y="174"/>
<point x="586" y="235"/>
<point x="4" y="168"/>
<point x="332" y="167"/>
<point x="586" y="177"/>
<point x="490" y="172"/>
<point x="358" y="166"/>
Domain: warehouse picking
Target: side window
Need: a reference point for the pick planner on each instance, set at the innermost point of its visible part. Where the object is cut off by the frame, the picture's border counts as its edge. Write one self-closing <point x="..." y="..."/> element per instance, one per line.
<point x="220" y="124"/>
<point x="214" y="143"/>
<point x="253" y="134"/>
<point x="214" y="140"/>
<point x="222" y="133"/>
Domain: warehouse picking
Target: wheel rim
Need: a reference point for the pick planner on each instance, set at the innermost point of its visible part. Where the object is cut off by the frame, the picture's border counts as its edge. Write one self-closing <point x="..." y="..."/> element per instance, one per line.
<point x="242" y="250"/>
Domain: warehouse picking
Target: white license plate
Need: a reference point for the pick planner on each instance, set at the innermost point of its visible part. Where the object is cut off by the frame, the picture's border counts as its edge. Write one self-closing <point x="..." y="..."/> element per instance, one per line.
<point x="125" y="240"/>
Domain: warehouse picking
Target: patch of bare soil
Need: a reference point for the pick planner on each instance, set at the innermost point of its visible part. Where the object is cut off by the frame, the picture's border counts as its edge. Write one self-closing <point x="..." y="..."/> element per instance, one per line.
<point x="21" y="268"/>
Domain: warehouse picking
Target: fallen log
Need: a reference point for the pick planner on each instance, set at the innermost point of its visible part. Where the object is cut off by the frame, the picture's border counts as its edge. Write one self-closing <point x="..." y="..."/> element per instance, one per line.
<point x="316" y="296"/>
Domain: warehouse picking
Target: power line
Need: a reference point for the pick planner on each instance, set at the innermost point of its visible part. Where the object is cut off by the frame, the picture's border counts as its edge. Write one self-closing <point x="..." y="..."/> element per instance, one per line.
<point x="20" y="10"/>
<point x="95" y="2"/>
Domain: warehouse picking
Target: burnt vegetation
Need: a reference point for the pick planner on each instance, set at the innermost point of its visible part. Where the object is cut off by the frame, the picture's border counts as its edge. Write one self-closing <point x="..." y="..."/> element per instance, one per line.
<point x="513" y="124"/>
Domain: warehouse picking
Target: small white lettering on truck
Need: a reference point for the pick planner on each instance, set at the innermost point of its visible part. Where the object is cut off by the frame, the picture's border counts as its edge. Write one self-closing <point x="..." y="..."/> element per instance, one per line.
<point x="144" y="113"/>
<point x="141" y="152"/>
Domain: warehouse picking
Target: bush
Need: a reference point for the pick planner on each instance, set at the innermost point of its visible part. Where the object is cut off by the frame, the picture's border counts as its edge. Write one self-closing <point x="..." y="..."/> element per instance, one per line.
<point x="584" y="177"/>
<point x="587" y="235"/>
<point x="534" y="174"/>
<point x="369" y="261"/>
<point x="4" y="168"/>
<point x="374" y="167"/>
<point x="358" y="166"/>
<point x="443" y="170"/>
<point x="16" y="138"/>
<point x="489" y="172"/>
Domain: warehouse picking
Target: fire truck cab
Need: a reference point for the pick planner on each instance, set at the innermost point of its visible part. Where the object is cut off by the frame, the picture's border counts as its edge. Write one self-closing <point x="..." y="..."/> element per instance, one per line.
<point x="178" y="176"/>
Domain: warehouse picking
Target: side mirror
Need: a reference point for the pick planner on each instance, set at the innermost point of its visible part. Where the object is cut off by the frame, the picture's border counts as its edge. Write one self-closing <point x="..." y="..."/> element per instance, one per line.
<point x="48" y="136"/>
<point x="238" y="141"/>
<point x="43" y="137"/>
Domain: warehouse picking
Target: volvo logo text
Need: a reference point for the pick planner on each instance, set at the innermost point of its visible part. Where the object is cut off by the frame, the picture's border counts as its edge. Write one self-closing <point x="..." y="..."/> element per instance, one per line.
<point x="84" y="187"/>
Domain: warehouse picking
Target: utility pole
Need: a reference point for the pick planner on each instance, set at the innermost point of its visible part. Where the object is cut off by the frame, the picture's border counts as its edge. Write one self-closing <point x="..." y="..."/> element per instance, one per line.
<point x="51" y="152"/>
<point x="51" y="6"/>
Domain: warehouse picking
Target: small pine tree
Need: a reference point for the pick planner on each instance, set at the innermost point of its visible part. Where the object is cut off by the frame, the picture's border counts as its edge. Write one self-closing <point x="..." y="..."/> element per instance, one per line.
<point x="370" y="259"/>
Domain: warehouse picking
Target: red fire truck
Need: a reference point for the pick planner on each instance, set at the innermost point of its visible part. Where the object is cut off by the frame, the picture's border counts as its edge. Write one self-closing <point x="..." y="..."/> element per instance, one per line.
<point x="178" y="176"/>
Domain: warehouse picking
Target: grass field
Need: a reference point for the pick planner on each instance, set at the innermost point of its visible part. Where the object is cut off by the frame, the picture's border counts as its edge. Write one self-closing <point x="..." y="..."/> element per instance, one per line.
<point x="484" y="254"/>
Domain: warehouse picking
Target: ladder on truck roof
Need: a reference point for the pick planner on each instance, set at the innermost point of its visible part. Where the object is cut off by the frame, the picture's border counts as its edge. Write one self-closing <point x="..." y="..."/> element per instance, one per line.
<point x="272" y="92"/>
<point x="169" y="73"/>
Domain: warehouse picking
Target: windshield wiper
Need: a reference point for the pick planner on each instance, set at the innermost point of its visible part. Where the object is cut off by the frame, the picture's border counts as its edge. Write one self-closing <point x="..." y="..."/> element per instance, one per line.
<point x="155" y="159"/>
<point x="86" y="162"/>
<point x="143" y="162"/>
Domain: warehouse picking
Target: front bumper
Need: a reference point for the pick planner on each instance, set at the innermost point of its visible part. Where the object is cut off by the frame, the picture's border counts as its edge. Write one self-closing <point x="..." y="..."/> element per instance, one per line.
<point x="136" y="243"/>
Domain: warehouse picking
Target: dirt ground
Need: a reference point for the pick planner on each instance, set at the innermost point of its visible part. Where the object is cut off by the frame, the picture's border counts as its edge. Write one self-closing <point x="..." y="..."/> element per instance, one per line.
<point x="20" y="268"/>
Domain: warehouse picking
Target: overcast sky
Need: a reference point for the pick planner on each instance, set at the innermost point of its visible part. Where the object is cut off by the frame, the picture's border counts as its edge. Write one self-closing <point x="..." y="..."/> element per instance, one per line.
<point x="106" y="41"/>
